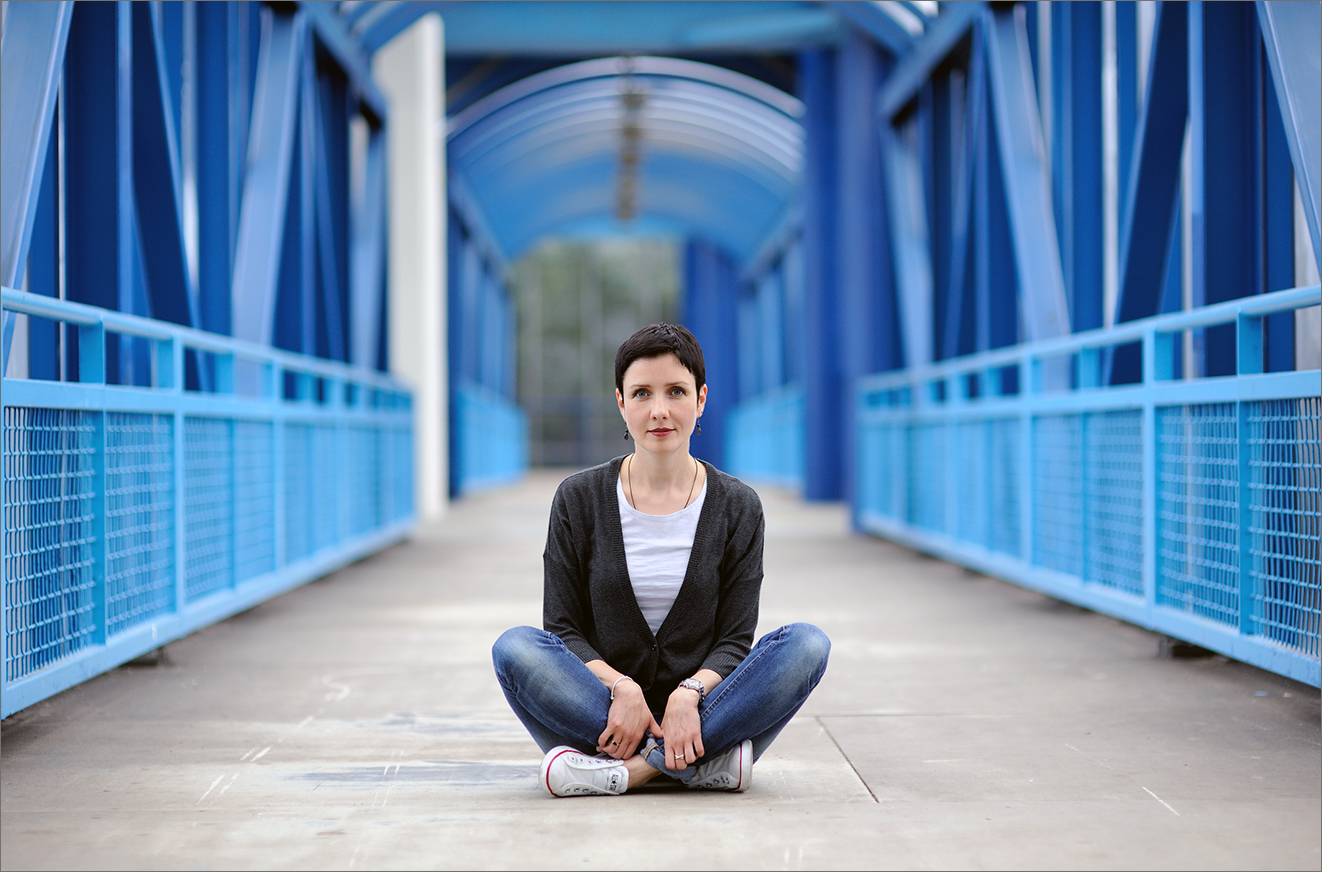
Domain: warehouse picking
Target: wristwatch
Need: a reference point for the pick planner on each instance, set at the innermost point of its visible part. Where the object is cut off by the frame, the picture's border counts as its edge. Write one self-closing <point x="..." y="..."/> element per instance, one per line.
<point x="695" y="684"/>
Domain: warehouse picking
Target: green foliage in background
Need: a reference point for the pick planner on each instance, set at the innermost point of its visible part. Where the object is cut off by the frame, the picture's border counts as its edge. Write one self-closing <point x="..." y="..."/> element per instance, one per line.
<point x="576" y="302"/>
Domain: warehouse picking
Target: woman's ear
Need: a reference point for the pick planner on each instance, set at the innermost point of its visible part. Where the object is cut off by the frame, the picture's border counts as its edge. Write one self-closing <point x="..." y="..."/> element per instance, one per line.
<point x="702" y="398"/>
<point x="619" y="402"/>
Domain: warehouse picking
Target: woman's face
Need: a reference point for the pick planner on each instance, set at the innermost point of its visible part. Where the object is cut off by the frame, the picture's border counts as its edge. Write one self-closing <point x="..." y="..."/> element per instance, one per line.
<point x="660" y="403"/>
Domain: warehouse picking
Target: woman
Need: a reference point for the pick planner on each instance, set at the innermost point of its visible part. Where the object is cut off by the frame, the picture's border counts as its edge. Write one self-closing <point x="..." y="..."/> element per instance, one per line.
<point x="653" y="568"/>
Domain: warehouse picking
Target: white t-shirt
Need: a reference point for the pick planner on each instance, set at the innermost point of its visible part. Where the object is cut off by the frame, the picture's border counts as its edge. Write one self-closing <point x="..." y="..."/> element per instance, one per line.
<point x="657" y="549"/>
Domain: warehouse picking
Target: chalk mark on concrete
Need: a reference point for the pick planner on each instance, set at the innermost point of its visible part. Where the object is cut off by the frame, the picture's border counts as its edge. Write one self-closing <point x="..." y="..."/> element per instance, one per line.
<point x="1162" y="801"/>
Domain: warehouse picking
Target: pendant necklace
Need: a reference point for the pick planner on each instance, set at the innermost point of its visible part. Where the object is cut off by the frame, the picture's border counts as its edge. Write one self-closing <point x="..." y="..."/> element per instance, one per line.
<point x="628" y="484"/>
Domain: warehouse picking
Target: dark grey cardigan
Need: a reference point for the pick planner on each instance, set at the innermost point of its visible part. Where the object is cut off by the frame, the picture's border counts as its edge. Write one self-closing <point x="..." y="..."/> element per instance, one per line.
<point x="588" y="599"/>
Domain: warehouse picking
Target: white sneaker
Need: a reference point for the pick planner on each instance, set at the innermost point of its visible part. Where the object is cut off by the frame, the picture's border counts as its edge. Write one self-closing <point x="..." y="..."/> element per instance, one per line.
<point x="732" y="770"/>
<point x="567" y="771"/>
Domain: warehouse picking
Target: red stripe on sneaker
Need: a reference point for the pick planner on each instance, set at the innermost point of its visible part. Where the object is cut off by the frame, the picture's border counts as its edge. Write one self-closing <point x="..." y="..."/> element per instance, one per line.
<point x="552" y="763"/>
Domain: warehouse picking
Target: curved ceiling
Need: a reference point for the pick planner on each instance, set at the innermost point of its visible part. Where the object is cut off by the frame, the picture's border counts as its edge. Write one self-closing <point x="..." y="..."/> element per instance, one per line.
<point x="623" y="146"/>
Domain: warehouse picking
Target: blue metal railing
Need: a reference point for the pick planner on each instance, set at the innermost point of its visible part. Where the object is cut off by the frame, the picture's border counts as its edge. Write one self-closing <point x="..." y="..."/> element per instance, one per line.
<point x="764" y="438"/>
<point x="1188" y="506"/>
<point x="490" y="439"/>
<point x="135" y="515"/>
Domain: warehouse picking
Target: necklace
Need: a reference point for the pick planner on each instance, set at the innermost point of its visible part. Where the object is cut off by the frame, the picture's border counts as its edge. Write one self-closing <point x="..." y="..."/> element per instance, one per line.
<point x="628" y="483"/>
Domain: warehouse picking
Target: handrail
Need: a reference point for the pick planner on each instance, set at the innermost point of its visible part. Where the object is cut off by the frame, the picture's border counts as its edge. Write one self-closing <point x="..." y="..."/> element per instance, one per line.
<point x="1119" y="334"/>
<point x="82" y="314"/>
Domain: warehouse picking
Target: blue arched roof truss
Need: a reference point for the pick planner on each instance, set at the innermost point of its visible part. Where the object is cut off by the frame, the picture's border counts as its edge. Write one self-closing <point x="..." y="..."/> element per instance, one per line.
<point x="719" y="154"/>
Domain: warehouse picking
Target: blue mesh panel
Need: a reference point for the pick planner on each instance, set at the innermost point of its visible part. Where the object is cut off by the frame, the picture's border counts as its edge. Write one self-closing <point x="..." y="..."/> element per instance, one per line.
<point x="364" y="480"/>
<point x="140" y="582"/>
<point x="401" y="471"/>
<point x="1198" y="510"/>
<point x="1114" y="487"/>
<point x="49" y="516"/>
<point x="1003" y="486"/>
<point x="971" y="455"/>
<point x="1057" y="493"/>
<point x="891" y="470"/>
<point x="324" y="475"/>
<point x="1284" y="489"/>
<point x="927" y="476"/>
<point x="298" y="490"/>
<point x="254" y="498"/>
<point x="208" y="505"/>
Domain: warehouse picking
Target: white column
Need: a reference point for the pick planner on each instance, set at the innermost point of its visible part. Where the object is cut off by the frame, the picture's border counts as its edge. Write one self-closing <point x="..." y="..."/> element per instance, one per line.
<point x="410" y="70"/>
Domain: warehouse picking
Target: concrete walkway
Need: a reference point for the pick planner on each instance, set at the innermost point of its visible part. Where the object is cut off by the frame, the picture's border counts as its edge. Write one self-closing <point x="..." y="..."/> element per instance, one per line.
<point x="355" y="723"/>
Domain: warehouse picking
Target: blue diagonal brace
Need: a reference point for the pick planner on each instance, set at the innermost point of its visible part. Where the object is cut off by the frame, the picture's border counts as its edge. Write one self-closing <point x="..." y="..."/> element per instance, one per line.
<point x="963" y="205"/>
<point x="266" y="184"/>
<point x="915" y="69"/>
<point x="31" y="63"/>
<point x="330" y="272"/>
<point x="156" y="176"/>
<point x="872" y="20"/>
<point x="1043" y="307"/>
<point x="1149" y="204"/>
<point x="913" y="251"/>
<point x="367" y="255"/>
<point x="1291" y="32"/>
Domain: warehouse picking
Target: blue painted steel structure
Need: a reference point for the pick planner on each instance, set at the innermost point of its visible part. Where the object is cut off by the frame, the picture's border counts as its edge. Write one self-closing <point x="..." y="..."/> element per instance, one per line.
<point x="488" y="431"/>
<point x="136" y="514"/>
<point x="1187" y="506"/>
<point x="186" y="189"/>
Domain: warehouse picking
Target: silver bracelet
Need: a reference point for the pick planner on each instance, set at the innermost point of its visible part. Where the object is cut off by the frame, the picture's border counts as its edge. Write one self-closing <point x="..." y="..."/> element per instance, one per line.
<point x="617" y="681"/>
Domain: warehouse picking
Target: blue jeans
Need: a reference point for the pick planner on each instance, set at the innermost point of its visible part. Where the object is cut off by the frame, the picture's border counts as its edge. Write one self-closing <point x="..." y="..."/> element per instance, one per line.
<point x="561" y="702"/>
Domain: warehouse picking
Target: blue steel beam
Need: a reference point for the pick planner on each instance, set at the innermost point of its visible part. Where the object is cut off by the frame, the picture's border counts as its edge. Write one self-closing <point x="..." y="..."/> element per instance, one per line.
<point x="31" y="62"/>
<point x="912" y="247"/>
<point x="1291" y="32"/>
<point x="959" y="335"/>
<point x="1148" y="204"/>
<point x="584" y="29"/>
<point x="822" y="390"/>
<point x="1076" y="66"/>
<point x="349" y="53"/>
<point x="328" y="244"/>
<point x="915" y="68"/>
<point x="367" y="255"/>
<point x="157" y="176"/>
<point x="869" y="18"/>
<point x="710" y="311"/>
<point x="1043" y="309"/>
<point x="266" y="185"/>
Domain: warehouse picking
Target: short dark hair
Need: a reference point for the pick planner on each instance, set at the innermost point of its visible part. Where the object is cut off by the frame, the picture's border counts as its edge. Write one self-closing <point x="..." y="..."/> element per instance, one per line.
<point x="656" y="340"/>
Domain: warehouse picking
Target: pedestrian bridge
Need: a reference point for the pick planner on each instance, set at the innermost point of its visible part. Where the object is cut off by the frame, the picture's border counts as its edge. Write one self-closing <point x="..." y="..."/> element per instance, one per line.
<point x="963" y="722"/>
<point x="1028" y="288"/>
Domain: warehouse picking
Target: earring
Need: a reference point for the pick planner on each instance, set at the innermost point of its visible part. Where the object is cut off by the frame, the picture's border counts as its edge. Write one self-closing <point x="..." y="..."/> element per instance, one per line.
<point x="699" y="430"/>
<point x="626" y="432"/>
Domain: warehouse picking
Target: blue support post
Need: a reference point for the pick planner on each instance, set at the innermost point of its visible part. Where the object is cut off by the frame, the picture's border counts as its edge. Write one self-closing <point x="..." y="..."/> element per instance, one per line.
<point x="157" y="175"/>
<point x="219" y="162"/>
<point x="1148" y="200"/>
<point x="1077" y="156"/>
<point x="92" y="194"/>
<point x="710" y="295"/>
<point x="823" y="394"/>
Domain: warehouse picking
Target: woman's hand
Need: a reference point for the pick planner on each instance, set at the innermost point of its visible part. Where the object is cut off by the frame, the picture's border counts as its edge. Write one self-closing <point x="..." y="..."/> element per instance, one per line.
<point x="683" y="728"/>
<point x="628" y="720"/>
